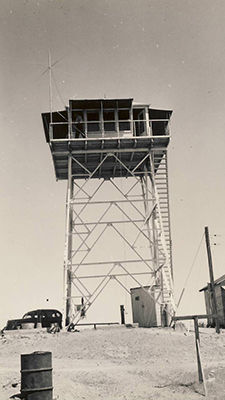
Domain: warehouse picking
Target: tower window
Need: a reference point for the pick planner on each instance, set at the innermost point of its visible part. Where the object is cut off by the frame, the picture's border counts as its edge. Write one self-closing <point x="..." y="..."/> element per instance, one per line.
<point x="109" y="120"/>
<point x="93" y="121"/>
<point x="124" y="120"/>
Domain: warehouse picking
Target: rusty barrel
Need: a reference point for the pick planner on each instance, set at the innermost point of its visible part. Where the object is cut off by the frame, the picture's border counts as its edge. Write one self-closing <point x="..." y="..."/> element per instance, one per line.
<point x="36" y="375"/>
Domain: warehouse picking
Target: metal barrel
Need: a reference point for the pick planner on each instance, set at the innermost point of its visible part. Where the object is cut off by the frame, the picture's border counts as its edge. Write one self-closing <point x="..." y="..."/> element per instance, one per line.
<point x="36" y="376"/>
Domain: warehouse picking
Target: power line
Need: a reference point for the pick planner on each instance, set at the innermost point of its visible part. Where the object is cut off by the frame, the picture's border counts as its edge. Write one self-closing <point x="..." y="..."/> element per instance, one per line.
<point x="182" y="292"/>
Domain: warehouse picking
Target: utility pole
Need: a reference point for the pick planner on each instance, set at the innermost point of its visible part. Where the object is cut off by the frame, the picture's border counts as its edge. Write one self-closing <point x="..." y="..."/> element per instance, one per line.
<point x="214" y="305"/>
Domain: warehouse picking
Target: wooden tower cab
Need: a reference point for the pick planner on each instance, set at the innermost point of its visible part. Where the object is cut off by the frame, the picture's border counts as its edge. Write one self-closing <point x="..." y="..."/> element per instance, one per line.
<point x="92" y="143"/>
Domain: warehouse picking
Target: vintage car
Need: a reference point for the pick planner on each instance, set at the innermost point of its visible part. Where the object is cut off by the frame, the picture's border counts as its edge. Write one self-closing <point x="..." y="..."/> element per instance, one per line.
<point x="34" y="318"/>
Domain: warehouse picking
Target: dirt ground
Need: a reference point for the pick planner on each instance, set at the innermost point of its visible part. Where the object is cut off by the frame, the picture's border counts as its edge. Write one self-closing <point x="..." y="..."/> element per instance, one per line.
<point x="119" y="363"/>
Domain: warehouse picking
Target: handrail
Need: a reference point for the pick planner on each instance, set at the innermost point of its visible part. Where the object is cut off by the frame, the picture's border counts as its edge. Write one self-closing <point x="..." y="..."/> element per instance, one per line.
<point x="110" y="121"/>
<point x="136" y="128"/>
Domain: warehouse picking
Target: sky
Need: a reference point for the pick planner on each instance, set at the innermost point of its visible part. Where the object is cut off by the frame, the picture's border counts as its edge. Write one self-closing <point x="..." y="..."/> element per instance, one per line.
<point x="166" y="53"/>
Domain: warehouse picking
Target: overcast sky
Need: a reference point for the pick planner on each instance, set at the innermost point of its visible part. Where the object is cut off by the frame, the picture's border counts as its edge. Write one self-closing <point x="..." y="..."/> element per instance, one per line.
<point x="167" y="53"/>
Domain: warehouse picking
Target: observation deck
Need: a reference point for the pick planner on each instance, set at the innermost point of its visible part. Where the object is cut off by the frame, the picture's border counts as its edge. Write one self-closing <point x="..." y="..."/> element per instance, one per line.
<point x="106" y="138"/>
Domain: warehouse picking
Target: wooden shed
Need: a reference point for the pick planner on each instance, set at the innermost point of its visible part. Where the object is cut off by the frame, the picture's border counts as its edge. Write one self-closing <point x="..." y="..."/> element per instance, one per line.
<point x="220" y="300"/>
<point x="145" y="309"/>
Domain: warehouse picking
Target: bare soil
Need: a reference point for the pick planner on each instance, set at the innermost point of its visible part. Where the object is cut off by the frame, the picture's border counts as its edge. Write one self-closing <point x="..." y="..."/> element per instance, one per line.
<point x="119" y="363"/>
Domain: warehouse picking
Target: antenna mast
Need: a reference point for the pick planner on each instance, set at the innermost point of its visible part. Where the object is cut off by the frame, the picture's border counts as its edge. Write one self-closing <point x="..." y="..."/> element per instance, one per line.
<point x="50" y="84"/>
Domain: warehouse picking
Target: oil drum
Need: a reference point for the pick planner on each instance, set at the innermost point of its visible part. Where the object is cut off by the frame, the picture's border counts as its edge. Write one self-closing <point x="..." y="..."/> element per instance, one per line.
<point x="36" y="375"/>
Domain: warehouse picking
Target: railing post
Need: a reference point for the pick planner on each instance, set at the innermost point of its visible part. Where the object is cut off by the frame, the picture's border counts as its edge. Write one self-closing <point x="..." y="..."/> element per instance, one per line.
<point x="147" y="122"/>
<point x="51" y="131"/>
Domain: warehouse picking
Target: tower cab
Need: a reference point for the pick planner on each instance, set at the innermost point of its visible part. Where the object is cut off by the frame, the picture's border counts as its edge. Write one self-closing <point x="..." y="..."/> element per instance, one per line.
<point x="105" y="118"/>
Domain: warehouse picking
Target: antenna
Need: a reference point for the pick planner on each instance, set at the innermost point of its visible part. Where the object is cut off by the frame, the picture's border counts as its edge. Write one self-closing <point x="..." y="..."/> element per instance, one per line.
<point x="50" y="84"/>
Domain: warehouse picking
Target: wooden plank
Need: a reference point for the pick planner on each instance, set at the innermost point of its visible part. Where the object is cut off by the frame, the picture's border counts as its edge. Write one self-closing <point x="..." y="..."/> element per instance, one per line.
<point x="187" y="317"/>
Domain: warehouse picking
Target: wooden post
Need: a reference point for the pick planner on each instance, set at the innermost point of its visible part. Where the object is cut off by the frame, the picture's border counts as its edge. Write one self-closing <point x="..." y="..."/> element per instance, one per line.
<point x="201" y="375"/>
<point x="214" y="305"/>
<point x="122" y="313"/>
<point x="197" y="342"/>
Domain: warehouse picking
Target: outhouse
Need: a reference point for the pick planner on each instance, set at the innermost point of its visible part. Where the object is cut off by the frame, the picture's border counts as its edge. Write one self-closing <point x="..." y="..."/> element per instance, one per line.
<point x="146" y="307"/>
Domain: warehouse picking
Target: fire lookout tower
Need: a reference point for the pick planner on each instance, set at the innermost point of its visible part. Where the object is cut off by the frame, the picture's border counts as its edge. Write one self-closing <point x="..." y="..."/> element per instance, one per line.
<point x="95" y="145"/>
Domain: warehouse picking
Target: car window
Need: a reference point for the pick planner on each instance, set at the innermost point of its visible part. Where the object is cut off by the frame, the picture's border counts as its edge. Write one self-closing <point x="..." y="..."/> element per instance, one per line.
<point x="43" y="314"/>
<point x="26" y="316"/>
<point x="32" y="314"/>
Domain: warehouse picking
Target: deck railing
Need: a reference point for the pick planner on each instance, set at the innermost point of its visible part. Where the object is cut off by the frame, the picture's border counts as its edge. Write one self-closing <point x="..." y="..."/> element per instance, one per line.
<point x="110" y="129"/>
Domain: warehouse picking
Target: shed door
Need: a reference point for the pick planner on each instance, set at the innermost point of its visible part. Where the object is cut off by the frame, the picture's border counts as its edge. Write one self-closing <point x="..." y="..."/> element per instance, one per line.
<point x="144" y="312"/>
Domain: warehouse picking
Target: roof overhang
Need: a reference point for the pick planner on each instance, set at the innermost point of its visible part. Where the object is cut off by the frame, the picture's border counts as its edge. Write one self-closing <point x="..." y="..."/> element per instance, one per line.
<point x="93" y="104"/>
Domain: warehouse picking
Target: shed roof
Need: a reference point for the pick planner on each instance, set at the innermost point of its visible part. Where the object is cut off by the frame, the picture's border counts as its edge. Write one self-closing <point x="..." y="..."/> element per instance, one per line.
<point x="144" y="287"/>
<point x="219" y="281"/>
<point x="140" y="287"/>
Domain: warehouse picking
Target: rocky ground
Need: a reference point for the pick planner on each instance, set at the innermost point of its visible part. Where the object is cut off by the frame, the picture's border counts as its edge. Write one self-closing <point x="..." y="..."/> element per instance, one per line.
<point x="116" y="362"/>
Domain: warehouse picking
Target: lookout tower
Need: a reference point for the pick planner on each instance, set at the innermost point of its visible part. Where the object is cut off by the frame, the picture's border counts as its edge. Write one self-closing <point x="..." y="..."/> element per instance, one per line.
<point x="113" y="153"/>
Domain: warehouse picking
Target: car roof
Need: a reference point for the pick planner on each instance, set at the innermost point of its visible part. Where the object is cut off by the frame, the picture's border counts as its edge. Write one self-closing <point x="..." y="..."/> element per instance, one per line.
<point x="43" y="309"/>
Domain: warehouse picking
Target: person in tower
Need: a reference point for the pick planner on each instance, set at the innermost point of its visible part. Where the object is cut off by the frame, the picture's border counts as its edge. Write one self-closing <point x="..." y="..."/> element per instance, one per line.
<point x="79" y="127"/>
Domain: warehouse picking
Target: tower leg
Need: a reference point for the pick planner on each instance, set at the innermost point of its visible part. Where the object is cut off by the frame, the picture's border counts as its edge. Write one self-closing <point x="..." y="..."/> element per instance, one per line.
<point x="159" y="181"/>
<point x="148" y="195"/>
<point x="67" y="307"/>
<point x="150" y="207"/>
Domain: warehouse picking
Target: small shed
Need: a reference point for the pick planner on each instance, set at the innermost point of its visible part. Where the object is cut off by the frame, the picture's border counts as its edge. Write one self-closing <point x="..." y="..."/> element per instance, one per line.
<point x="146" y="309"/>
<point x="220" y="300"/>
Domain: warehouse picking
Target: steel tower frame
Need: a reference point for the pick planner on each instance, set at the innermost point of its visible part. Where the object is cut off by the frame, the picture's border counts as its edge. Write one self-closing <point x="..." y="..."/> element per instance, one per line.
<point x="140" y="155"/>
<point x="152" y="225"/>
